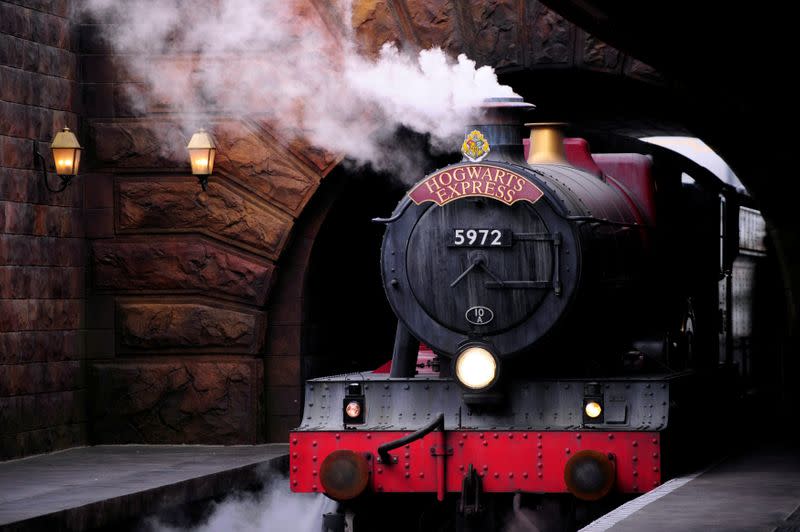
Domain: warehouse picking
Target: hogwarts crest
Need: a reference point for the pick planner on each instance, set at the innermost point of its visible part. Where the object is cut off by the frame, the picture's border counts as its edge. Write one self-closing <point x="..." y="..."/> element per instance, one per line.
<point x="475" y="146"/>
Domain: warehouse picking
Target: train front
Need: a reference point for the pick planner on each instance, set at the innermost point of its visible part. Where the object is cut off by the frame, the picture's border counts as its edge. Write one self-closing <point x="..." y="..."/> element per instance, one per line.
<point x="511" y="271"/>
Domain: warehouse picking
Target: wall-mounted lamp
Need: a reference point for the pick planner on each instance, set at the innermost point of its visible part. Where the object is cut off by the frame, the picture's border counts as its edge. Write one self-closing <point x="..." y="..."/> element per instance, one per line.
<point x="201" y="154"/>
<point x="66" y="152"/>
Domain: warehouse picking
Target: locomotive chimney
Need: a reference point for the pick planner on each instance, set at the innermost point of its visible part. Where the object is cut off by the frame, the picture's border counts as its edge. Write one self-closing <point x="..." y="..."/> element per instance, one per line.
<point x="501" y="125"/>
<point x="547" y="143"/>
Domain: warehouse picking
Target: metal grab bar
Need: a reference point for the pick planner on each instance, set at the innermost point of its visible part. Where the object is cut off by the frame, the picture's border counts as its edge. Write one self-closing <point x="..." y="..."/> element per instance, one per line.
<point x="383" y="450"/>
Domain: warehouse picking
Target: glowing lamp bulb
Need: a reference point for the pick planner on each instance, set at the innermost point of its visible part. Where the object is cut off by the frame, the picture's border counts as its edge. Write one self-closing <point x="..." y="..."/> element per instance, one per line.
<point x="593" y="409"/>
<point x="476" y="368"/>
<point x="353" y="409"/>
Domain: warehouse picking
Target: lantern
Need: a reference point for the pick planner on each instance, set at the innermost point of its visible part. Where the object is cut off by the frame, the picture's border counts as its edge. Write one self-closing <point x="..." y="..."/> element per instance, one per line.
<point x="201" y="154"/>
<point x="66" y="153"/>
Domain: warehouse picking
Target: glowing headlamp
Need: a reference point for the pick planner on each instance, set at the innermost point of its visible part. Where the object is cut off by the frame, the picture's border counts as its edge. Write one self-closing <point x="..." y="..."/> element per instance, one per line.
<point x="593" y="409"/>
<point x="476" y="368"/>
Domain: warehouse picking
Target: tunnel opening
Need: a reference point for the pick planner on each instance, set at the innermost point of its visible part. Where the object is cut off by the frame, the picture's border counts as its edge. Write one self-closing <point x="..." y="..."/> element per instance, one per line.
<point x="348" y="325"/>
<point x="327" y="311"/>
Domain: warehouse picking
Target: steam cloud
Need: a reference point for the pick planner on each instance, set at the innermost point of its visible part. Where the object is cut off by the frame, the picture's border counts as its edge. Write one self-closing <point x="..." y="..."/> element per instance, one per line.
<point x="265" y="59"/>
<point x="275" y="508"/>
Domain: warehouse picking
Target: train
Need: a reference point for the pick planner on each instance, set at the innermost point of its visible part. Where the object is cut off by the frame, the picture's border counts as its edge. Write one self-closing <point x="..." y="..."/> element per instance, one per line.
<point x="565" y="333"/>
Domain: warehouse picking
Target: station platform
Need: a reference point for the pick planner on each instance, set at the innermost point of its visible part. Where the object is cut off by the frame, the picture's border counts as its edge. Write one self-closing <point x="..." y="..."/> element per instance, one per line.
<point x="752" y="491"/>
<point x="96" y="487"/>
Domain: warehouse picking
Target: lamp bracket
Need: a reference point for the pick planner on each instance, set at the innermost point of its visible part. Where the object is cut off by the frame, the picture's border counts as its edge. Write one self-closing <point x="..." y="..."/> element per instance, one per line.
<point x="65" y="179"/>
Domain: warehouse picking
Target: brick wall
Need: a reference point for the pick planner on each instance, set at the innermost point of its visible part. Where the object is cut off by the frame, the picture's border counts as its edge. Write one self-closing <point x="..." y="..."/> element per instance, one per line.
<point x="42" y="250"/>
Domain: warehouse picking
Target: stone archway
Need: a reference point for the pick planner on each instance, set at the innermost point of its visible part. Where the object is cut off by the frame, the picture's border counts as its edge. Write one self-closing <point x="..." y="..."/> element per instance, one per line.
<point x="328" y="312"/>
<point x="186" y="279"/>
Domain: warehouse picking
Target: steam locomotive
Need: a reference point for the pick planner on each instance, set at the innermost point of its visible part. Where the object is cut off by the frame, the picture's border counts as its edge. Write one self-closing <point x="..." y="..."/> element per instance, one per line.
<point x="563" y="325"/>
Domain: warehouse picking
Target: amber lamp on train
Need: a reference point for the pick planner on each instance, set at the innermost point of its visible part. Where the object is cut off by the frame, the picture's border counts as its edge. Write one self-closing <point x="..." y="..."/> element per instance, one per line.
<point x="201" y="154"/>
<point x="66" y="151"/>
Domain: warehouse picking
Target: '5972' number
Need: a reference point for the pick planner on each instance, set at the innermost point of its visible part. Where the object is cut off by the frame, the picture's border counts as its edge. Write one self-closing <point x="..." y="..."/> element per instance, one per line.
<point x="481" y="237"/>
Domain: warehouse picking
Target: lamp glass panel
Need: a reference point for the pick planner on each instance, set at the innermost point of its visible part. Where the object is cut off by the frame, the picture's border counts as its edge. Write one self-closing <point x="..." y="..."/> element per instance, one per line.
<point x="66" y="160"/>
<point x="202" y="160"/>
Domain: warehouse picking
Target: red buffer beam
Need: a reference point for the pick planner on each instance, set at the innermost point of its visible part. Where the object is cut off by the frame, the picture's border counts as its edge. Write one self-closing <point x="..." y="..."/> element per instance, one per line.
<point x="507" y="461"/>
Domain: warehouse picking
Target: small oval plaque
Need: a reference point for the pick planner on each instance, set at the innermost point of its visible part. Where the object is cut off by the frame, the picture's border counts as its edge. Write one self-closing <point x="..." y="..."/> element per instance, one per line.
<point x="479" y="315"/>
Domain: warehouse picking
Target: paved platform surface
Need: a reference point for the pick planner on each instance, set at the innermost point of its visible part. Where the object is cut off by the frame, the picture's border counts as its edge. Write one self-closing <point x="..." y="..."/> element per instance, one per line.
<point x="93" y="487"/>
<point x="755" y="491"/>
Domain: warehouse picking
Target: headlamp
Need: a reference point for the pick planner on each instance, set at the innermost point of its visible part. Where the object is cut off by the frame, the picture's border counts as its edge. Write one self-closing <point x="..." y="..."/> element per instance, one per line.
<point x="476" y="368"/>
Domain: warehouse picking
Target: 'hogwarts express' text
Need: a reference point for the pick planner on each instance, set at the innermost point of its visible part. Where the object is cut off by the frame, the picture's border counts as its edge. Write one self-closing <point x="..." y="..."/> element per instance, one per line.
<point x="475" y="180"/>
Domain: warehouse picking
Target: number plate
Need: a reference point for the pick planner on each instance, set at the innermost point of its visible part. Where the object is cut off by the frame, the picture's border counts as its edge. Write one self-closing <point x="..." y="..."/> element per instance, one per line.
<point x="481" y="238"/>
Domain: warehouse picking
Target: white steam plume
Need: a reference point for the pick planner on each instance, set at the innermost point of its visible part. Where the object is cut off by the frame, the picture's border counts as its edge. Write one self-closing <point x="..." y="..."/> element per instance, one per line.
<point x="273" y="509"/>
<point x="276" y="60"/>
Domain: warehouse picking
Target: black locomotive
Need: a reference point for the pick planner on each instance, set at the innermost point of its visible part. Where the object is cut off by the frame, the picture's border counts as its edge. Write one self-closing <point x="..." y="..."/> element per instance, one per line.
<point x="568" y="305"/>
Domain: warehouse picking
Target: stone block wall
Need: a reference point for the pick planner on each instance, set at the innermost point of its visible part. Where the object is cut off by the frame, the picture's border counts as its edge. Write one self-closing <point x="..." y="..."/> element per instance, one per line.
<point x="180" y="281"/>
<point x="42" y="247"/>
